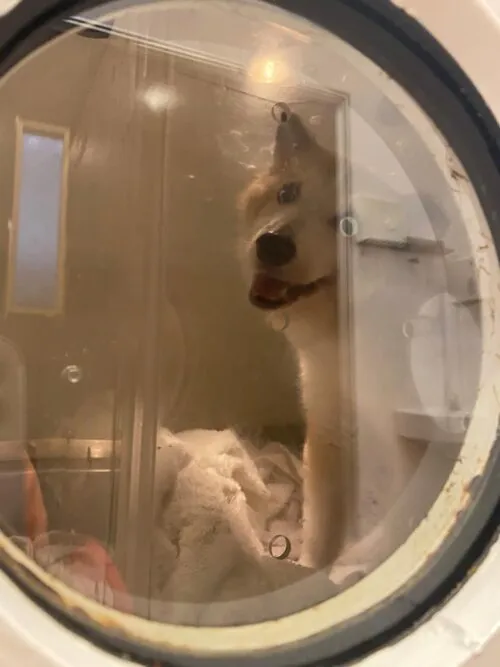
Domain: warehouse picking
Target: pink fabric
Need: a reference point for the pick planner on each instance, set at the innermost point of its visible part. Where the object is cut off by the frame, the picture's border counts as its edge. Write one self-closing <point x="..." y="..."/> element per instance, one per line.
<point x="84" y="565"/>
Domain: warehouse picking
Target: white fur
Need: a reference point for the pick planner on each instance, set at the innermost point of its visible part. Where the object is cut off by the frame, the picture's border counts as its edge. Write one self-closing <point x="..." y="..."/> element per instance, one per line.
<point x="312" y="321"/>
<point x="313" y="332"/>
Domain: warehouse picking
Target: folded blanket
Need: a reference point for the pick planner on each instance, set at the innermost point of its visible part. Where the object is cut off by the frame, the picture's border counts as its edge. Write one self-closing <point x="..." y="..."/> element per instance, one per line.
<point x="219" y="505"/>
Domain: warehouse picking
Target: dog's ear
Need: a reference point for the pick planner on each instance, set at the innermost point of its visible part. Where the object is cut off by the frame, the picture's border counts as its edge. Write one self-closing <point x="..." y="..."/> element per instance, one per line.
<point x="295" y="146"/>
<point x="292" y="141"/>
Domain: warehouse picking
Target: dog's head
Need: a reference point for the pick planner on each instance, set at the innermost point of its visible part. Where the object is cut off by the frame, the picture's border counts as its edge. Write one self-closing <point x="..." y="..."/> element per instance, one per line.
<point x="289" y="217"/>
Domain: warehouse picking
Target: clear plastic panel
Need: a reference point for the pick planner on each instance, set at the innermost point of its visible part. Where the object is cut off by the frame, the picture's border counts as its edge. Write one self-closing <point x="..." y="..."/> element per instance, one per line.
<point x="252" y="239"/>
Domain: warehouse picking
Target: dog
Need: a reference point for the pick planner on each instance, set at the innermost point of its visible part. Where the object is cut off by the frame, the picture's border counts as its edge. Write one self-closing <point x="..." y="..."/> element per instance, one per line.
<point x="289" y="238"/>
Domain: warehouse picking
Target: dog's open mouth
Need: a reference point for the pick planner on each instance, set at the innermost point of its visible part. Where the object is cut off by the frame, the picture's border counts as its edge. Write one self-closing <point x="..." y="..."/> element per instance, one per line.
<point x="269" y="293"/>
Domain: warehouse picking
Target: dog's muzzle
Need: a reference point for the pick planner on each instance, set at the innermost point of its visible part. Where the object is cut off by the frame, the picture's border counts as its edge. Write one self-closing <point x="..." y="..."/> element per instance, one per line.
<point x="275" y="249"/>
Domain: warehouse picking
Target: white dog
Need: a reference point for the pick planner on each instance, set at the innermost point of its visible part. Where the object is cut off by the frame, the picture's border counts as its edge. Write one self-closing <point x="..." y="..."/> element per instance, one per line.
<point x="289" y="250"/>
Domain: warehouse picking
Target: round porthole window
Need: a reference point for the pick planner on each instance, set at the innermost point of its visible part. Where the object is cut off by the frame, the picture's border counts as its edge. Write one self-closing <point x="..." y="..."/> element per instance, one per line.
<point x="249" y="338"/>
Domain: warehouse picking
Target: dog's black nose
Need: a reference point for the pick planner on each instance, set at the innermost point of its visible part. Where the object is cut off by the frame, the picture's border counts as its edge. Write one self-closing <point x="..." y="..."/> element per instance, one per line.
<point x="274" y="249"/>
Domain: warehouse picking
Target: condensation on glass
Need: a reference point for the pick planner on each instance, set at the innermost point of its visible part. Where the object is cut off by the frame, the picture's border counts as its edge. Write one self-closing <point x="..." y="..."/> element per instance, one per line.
<point x="151" y="419"/>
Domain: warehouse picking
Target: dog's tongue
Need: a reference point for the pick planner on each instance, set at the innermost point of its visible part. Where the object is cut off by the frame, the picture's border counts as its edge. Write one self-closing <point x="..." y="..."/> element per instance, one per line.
<point x="266" y="287"/>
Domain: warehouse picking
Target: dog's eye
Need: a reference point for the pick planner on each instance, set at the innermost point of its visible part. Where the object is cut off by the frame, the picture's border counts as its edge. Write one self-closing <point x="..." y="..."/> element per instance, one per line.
<point x="289" y="193"/>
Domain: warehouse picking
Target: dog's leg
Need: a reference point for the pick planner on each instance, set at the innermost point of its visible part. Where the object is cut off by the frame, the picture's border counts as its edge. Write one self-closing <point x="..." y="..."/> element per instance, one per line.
<point x="324" y="514"/>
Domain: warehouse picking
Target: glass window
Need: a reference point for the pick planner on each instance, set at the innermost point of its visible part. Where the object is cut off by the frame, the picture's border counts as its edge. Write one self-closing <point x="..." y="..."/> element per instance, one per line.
<point x="263" y="407"/>
<point x="37" y="246"/>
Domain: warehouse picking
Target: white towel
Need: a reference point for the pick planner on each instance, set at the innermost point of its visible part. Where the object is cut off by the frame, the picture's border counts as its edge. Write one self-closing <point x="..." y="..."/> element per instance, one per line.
<point x="219" y="502"/>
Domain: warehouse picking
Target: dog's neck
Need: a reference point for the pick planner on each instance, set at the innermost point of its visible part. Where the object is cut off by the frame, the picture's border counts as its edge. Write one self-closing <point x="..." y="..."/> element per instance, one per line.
<point x="312" y="328"/>
<point x="312" y="322"/>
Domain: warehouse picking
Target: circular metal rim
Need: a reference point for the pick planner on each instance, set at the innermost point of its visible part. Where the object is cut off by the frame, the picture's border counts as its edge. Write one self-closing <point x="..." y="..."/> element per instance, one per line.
<point x="440" y="578"/>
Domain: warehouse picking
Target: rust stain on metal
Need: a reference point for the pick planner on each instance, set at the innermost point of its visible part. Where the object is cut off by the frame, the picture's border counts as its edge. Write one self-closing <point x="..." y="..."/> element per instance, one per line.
<point x="492" y="310"/>
<point x="482" y="268"/>
<point x="74" y="611"/>
<point x="457" y="175"/>
<point x="66" y="604"/>
<point x="465" y="498"/>
<point x="469" y="489"/>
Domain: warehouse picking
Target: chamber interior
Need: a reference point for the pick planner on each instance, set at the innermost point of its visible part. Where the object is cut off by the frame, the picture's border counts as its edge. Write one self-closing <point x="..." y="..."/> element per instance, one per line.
<point x="152" y="419"/>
